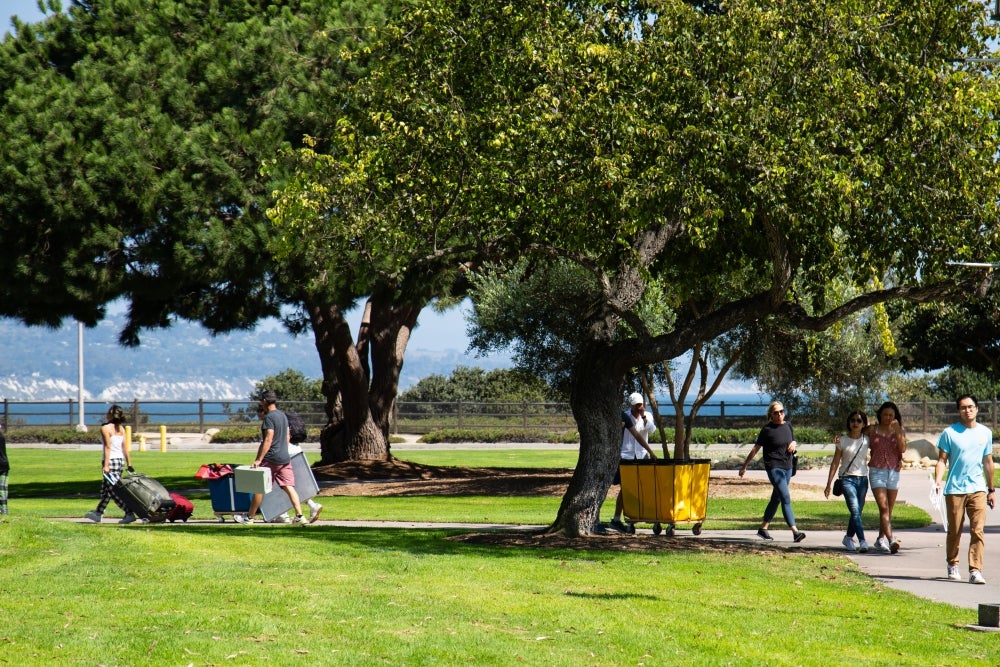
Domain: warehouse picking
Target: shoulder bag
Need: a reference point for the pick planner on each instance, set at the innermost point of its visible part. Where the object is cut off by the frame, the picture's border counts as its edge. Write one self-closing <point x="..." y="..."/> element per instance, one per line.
<point x="838" y="484"/>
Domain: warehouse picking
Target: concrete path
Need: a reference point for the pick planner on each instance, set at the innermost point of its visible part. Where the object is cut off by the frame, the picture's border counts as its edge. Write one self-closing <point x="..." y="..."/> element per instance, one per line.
<point x="920" y="566"/>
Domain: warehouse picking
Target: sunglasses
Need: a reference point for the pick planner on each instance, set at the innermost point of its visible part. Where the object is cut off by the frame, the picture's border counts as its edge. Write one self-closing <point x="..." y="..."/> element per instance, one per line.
<point x="778" y="412"/>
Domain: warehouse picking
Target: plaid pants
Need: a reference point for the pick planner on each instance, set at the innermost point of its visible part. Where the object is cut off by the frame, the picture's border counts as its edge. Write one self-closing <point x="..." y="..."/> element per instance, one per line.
<point x="3" y="493"/>
<point x="108" y="493"/>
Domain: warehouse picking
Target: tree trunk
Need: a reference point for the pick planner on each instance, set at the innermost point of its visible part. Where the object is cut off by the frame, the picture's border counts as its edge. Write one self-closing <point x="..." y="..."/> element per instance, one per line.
<point x="596" y="403"/>
<point x="356" y="437"/>
<point x="390" y="333"/>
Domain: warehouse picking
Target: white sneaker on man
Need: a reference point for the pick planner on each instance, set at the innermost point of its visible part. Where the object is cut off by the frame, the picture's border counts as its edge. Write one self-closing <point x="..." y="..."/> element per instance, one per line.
<point x="314" y="511"/>
<point x="953" y="573"/>
<point x="976" y="577"/>
<point x="848" y="543"/>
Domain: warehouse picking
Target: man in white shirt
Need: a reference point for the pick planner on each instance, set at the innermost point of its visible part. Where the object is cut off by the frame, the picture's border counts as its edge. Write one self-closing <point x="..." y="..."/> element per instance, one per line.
<point x="636" y="427"/>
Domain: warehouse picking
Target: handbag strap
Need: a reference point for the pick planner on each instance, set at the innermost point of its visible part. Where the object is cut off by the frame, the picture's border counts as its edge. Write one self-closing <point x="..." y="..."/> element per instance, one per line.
<point x="854" y="458"/>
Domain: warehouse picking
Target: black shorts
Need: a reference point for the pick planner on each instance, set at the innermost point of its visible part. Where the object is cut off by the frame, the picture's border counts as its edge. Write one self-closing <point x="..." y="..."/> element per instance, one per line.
<point x="618" y="471"/>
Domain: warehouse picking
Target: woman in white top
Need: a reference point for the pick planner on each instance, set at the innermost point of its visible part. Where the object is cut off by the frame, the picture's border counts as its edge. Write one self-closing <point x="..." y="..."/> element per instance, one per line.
<point x="850" y="461"/>
<point x="116" y="459"/>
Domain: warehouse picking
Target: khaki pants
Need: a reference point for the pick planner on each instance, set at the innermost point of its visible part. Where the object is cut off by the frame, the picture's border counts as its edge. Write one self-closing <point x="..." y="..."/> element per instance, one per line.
<point x="958" y="505"/>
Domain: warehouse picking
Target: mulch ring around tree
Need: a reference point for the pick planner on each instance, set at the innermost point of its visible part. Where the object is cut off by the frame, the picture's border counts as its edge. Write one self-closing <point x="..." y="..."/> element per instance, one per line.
<point x="403" y="478"/>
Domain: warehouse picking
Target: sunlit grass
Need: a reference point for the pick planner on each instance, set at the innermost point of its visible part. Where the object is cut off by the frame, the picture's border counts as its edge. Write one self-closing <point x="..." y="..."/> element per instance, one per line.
<point x="209" y="594"/>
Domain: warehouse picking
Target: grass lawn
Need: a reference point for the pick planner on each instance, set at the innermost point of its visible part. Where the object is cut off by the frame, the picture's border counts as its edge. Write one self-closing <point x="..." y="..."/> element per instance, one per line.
<point x="210" y="594"/>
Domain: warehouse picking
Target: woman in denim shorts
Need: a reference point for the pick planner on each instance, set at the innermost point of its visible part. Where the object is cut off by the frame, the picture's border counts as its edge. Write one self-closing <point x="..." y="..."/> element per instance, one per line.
<point x="887" y="445"/>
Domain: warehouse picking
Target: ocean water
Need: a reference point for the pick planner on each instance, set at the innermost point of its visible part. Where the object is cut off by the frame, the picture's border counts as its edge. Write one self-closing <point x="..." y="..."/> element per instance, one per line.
<point x="732" y="405"/>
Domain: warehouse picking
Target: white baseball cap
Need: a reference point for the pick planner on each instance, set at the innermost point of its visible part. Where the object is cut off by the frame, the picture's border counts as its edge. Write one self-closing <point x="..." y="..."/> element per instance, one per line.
<point x="635" y="398"/>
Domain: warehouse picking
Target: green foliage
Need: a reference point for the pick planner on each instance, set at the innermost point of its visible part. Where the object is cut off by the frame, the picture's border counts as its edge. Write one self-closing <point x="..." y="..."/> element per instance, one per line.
<point x="499" y="435"/>
<point x="945" y="385"/>
<point x="136" y="130"/>
<point x="819" y="375"/>
<point x="477" y="385"/>
<point x="51" y="435"/>
<point x="961" y="334"/>
<point x="533" y="308"/>
<point x="290" y="385"/>
<point x="953" y="382"/>
<point x="241" y="434"/>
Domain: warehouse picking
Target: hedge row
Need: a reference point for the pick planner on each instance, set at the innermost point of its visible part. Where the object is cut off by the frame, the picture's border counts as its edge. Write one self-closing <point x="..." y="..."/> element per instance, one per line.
<point x="700" y="436"/>
<point x="499" y="435"/>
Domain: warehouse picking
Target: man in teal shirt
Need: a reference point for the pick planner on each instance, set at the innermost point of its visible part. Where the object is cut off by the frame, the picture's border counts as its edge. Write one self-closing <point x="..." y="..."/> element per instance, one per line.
<point x="966" y="449"/>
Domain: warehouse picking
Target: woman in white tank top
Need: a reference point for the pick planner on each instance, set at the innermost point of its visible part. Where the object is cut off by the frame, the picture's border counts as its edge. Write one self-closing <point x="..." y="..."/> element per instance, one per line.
<point x="116" y="459"/>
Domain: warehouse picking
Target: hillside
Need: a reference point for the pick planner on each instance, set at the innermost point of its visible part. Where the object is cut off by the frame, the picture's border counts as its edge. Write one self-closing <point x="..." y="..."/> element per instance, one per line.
<point x="181" y="363"/>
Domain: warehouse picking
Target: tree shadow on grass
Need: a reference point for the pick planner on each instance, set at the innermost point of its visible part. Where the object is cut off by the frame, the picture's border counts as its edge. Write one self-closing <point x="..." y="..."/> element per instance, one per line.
<point x="91" y="488"/>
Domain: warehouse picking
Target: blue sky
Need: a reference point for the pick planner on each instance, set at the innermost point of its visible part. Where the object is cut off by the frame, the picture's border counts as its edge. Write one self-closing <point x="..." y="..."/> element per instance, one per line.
<point x="26" y="10"/>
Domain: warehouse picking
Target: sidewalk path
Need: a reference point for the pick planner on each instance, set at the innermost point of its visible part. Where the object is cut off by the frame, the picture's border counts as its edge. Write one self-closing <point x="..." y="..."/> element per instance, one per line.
<point x="919" y="567"/>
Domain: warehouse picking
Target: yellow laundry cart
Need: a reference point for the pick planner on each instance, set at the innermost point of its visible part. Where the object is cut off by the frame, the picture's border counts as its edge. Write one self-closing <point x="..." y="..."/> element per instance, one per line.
<point x="666" y="491"/>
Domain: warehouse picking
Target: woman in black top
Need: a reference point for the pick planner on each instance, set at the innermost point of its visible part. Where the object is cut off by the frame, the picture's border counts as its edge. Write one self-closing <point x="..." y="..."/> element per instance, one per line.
<point x="778" y="442"/>
<point x="4" y="469"/>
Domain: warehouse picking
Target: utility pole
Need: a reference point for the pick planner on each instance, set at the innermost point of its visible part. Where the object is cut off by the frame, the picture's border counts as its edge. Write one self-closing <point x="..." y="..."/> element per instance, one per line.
<point x="81" y="426"/>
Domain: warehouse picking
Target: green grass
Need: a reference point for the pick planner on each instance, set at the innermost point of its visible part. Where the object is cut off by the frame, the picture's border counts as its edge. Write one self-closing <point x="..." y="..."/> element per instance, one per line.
<point x="207" y="594"/>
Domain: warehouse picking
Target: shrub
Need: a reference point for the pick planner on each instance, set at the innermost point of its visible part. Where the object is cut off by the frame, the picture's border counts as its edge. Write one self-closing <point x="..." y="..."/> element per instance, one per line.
<point x="52" y="435"/>
<point x="251" y="433"/>
<point x="499" y="435"/>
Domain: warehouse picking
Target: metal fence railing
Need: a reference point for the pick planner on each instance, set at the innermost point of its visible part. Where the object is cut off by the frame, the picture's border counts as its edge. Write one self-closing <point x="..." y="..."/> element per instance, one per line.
<point x="422" y="417"/>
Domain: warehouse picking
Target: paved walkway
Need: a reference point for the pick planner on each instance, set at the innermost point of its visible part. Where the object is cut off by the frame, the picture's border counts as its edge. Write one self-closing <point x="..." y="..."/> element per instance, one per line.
<point x="919" y="567"/>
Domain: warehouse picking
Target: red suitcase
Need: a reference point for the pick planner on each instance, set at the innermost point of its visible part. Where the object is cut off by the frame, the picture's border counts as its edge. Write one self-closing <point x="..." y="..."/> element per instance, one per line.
<point x="183" y="508"/>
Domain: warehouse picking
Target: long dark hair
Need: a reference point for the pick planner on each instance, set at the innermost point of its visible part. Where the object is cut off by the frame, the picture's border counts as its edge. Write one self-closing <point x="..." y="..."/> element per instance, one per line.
<point x="115" y="415"/>
<point x="890" y="405"/>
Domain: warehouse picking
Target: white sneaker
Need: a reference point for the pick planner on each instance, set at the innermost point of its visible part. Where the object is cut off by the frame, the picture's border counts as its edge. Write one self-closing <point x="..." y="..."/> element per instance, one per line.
<point x="94" y="516"/>
<point x="976" y="577"/>
<point x="242" y="518"/>
<point x="282" y="518"/>
<point x="882" y="545"/>
<point x="848" y="543"/>
<point x="863" y="547"/>
<point x="314" y="512"/>
<point x="128" y="518"/>
<point x="298" y="519"/>
<point x="953" y="573"/>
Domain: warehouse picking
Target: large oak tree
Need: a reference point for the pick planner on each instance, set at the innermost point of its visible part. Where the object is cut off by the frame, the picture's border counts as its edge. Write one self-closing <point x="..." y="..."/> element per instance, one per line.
<point x="739" y="161"/>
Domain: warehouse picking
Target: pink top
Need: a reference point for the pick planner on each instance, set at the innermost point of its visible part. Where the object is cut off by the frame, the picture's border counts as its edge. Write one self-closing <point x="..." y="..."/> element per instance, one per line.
<point x="884" y="448"/>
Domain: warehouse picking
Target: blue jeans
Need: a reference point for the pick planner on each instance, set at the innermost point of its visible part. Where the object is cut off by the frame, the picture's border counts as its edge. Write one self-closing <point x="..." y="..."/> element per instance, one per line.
<point x="855" y="490"/>
<point x="779" y="478"/>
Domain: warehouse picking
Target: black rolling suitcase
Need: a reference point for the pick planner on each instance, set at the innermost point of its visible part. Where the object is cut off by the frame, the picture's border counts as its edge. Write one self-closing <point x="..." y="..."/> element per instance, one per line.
<point x="145" y="497"/>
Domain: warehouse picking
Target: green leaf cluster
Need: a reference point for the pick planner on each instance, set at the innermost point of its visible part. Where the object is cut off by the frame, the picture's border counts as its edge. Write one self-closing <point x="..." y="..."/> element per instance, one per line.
<point x="470" y="384"/>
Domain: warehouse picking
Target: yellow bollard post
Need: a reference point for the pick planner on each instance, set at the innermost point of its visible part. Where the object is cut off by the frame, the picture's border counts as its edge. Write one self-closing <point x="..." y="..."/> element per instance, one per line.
<point x="128" y="437"/>
<point x="142" y="443"/>
<point x="163" y="438"/>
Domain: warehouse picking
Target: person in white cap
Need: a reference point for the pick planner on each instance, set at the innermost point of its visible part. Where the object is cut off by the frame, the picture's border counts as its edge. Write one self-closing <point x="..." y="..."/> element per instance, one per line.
<point x="636" y="427"/>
